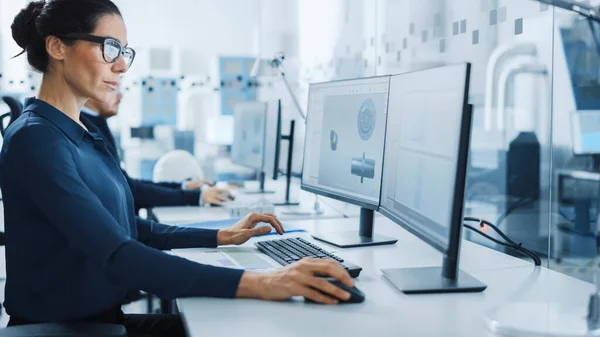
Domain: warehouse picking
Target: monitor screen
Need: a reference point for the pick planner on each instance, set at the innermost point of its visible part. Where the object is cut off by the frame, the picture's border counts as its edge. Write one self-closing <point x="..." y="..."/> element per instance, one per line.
<point x="345" y="133"/>
<point x="585" y="130"/>
<point x="249" y="134"/>
<point x="273" y="139"/>
<point x="423" y="151"/>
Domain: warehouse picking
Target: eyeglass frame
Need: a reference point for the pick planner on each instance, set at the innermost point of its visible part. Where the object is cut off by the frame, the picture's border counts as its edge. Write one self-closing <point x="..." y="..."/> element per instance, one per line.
<point x="101" y="40"/>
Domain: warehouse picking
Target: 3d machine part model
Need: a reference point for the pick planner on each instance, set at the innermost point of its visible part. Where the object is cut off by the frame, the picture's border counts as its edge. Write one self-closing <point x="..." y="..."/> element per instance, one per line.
<point x="333" y="140"/>
<point x="366" y="119"/>
<point x="363" y="167"/>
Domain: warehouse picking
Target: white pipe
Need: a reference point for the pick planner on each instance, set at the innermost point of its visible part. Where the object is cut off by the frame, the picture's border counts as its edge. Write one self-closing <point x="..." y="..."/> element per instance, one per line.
<point x="508" y="74"/>
<point x="498" y="56"/>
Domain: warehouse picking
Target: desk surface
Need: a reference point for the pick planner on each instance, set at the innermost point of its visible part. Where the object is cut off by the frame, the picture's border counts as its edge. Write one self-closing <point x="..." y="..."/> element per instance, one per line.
<point x="190" y="214"/>
<point x="386" y="311"/>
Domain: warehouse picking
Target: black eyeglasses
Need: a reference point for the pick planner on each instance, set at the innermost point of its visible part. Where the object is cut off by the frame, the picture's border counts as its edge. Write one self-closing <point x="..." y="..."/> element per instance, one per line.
<point x="111" y="48"/>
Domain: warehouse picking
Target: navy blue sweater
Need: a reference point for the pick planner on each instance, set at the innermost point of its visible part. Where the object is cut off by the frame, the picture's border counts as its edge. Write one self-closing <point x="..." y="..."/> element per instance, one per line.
<point x="73" y="243"/>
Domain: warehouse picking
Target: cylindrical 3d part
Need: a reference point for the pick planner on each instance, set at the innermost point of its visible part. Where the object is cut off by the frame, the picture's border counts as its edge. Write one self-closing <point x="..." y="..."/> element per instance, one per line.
<point x="364" y="168"/>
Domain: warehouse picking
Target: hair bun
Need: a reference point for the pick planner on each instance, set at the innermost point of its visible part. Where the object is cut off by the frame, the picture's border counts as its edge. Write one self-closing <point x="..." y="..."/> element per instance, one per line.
<point x="23" y="28"/>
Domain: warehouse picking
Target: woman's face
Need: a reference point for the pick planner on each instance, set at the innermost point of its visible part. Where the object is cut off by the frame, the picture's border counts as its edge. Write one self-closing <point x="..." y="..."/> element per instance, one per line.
<point x="85" y="69"/>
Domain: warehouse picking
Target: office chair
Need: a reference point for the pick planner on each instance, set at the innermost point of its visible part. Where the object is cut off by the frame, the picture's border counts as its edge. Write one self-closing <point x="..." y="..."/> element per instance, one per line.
<point x="16" y="109"/>
<point x="64" y="330"/>
<point x="177" y="165"/>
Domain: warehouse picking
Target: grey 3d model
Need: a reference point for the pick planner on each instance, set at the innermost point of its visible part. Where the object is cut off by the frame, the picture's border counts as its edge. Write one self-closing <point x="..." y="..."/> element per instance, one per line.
<point x="363" y="167"/>
<point x="366" y="119"/>
<point x="333" y="140"/>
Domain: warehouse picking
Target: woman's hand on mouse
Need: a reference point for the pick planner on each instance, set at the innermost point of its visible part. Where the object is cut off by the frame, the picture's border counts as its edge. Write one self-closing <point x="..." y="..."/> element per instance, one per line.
<point x="246" y="228"/>
<point x="298" y="279"/>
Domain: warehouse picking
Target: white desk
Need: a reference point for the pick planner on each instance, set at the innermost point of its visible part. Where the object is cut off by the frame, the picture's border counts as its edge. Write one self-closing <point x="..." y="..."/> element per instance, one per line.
<point x="306" y="199"/>
<point x="386" y="311"/>
<point x="191" y="214"/>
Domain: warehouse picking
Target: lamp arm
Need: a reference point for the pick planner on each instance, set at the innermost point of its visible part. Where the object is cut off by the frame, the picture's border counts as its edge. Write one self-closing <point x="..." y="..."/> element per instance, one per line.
<point x="287" y="85"/>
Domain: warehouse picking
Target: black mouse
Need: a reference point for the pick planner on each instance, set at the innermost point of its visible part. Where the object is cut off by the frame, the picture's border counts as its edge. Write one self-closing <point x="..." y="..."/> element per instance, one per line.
<point x="356" y="296"/>
<point x="230" y="197"/>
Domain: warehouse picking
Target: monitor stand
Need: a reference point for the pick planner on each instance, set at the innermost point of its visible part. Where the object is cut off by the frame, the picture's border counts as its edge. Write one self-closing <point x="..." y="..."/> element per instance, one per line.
<point x="432" y="280"/>
<point x="288" y="183"/>
<point x="364" y="237"/>
<point x="288" y="173"/>
<point x="261" y="190"/>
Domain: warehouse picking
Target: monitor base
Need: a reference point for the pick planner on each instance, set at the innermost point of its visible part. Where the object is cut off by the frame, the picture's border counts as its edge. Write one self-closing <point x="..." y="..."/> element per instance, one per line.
<point x="258" y="192"/>
<point x="353" y="239"/>
<point x="287" y="203"/>
<point x="429" y="280"/>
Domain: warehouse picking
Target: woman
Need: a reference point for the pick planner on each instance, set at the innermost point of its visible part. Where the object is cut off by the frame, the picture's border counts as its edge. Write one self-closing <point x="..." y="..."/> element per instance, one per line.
<point x="73" y="244"/>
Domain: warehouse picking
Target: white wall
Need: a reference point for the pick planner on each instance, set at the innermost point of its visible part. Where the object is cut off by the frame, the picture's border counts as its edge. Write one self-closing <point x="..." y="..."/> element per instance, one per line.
<point x="13" y="70"/>
<point x="200" y="29"/>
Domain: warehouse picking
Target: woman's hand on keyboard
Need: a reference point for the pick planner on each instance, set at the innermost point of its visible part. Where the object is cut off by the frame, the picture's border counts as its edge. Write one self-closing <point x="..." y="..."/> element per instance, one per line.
<point x="297" y="279"/>
<point x="246" y="228"/>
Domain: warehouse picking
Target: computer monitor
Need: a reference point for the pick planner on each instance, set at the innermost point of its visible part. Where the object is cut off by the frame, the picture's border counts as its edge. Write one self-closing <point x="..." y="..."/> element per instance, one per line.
<point x="249" y="134"/>
<point x="343" y="150"/>
<point x="423" y="184"/>
<point x="273" y="139"/>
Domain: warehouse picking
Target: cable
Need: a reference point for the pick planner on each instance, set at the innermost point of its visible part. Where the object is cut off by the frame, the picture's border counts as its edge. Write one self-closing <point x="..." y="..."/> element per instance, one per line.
<point x="535" y="259"/>
<point x="509" y="243"/>
<point x="481" y="221"/>
<point x="518" y="248"/>
<point x="497" y="230"/>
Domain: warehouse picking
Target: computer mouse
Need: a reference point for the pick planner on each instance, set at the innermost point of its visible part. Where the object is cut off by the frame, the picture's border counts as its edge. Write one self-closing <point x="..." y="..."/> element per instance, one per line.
<point x="229" y="196"/>
<point x="356" y="296"/>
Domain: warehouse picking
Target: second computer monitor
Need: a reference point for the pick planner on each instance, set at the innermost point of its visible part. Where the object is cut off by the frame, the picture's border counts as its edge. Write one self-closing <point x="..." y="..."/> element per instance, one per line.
<point x="426" y="157"/>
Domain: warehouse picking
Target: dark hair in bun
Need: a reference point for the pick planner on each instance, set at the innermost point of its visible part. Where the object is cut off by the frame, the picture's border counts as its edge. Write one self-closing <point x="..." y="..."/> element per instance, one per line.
<point x="40" y="19"/>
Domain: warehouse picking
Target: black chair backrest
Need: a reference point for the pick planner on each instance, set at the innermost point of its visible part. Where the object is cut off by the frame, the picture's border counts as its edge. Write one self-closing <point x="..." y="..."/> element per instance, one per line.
<point x="16" y="109"/>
